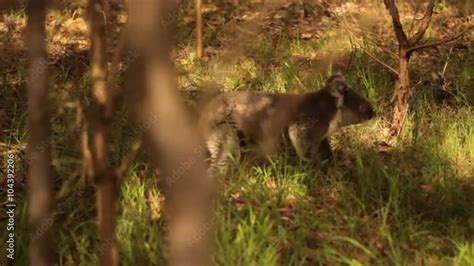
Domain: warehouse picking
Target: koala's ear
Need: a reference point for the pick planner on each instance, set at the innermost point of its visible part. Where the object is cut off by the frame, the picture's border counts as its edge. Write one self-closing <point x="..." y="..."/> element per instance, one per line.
<point x="336" y="83"/>
<point x="336" y="78"/>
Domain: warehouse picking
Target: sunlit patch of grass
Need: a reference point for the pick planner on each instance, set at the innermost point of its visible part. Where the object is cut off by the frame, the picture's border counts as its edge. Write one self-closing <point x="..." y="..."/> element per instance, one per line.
<point x="465" y="254"/>
<point x="246" y="241"/>
<point x="461" y="135"/>
<point x="140" y="237"/>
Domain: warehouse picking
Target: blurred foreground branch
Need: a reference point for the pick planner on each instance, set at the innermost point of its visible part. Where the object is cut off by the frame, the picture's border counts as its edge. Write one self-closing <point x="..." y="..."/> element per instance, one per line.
<point x="178" y="148"/>
<point x="98" y="118"/>
<point x="40" y="171"/>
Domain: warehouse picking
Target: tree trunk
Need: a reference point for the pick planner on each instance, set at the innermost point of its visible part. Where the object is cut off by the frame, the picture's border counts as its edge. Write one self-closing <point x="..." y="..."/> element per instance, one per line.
<point x="198" y="28"/>
<point x="401" y="96"/>
<point x="39" y="142"/>
<point x="177" y="146"/>
<point x="104" y="173"/>
<point x="407" y="46"/>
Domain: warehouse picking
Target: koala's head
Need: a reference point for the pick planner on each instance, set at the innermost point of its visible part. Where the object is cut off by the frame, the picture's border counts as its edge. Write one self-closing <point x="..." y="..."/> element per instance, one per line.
<point x="354" y="108"/>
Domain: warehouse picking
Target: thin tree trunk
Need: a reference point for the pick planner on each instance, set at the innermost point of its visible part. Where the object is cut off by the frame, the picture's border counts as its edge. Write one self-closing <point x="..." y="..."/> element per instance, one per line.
<point x="40" y="171"/>
<point x="407" y="46"/>
<point x="198" y="28"/>
<point x="401" y="95"/>
<point x="104" y="173"/>
<point x="177" y="145"/>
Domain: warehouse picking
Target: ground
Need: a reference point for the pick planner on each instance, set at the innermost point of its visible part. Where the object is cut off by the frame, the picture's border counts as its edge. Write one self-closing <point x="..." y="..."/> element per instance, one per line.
<point x="412" y="204"/>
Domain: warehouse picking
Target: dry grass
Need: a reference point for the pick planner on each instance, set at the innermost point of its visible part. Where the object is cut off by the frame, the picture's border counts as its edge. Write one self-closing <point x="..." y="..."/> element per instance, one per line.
<point x="410" y="206"/>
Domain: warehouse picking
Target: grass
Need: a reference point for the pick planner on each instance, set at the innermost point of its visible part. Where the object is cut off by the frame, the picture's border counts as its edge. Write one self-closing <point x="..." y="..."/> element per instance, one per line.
<point x="410" y="206"/>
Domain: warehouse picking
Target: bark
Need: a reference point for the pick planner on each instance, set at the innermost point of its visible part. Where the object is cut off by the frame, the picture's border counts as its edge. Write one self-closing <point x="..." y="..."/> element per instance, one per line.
<point x="39" y="142"/>
<point x="178" y="149"/>
<point x="403" y="89"/>
<point x="99" y="117"/>
<point x="198" y="28"/>
<point x="401" y="95"/>
<point x="397" y="25"/>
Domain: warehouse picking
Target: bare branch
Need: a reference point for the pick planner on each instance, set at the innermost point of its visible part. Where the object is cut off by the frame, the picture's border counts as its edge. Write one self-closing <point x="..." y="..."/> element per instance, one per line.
<point x="198" y="8"/>
<point x="130" y="156"/>
<point x="177" y="146"/>
<point x="445" y="41"/>
<point x="380" y="61"/>
<point x="425" y="22"/>
<point x="87" y="170"/>
<point x="40" y="171"/>
<point x="397" y="25"/>
<point x="375" y="58"/>
<point x="355" y="28"/>
<point x="350" y="31"/>
<point x="104" y="174"/>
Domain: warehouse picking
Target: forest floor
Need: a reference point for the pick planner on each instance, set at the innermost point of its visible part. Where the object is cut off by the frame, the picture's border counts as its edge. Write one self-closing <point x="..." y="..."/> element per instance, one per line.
<point x="410" y="205"/>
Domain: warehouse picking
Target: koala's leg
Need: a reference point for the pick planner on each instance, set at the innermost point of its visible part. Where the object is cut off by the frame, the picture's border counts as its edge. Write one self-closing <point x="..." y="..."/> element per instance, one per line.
<point x="267" y="149"/>
<point x="223" y="145"/>
<point x="307" y="137"/>
<point x="299" y="135"/>
<point x="325" y="151"/>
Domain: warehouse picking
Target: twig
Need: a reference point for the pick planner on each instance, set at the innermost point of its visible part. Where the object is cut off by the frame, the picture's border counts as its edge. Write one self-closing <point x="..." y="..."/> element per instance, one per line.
<point x="361" y="47"/>
<point x="397" y="25"/>
<point x="379" y="61"/>
<point x="374" y="38"/>
<point x="129" y="157"/>
<point x="87" y="171"/>
<point x="447" y="61"/>
<point x="445" y="41"/>
<point x="425" y="22"/>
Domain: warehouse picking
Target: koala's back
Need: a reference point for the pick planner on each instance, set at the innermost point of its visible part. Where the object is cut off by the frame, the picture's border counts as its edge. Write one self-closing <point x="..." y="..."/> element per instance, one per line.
<point x="253" y="114"/>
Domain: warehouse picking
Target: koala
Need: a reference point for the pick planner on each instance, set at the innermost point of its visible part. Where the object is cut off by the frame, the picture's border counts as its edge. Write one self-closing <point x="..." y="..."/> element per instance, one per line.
<point x="266" y="121"/>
